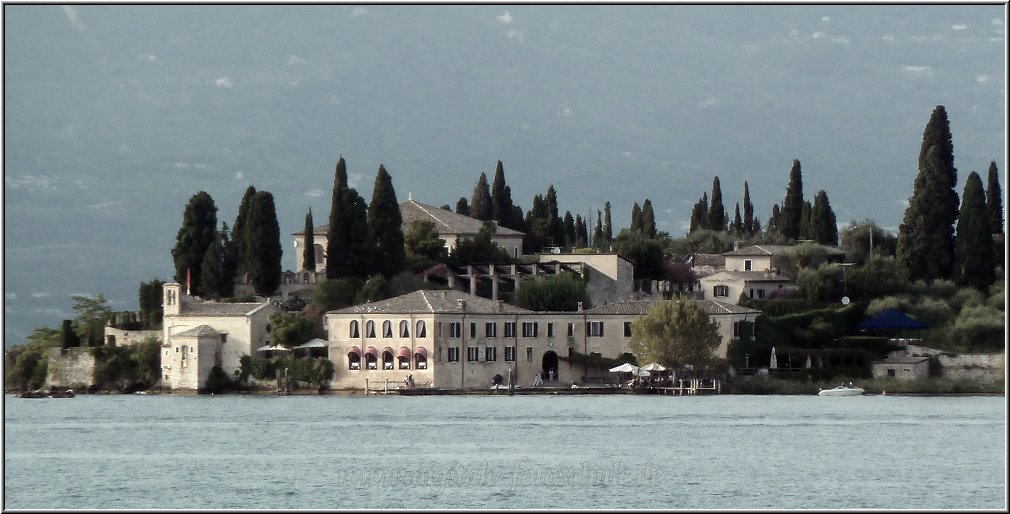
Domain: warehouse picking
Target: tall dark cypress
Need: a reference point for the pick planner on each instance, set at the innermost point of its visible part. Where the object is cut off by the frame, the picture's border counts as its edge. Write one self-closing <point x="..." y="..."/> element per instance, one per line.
<point x="480" y="202"/>
<point x="598" y="240"/>
<point x="197" y="233"/>
<point x="791" y="218"/>
<point x="238" y="228"/>
<point x="925" y="248"/>
<point x="774" y="220"/>
<point x="748" y="210"/>
<point x="737" y="226"/>
<point x="309" y="252"/>
<point x="994" y="200"/>
<point x="229" y="262"/>
<point x="385" y="227"/>
<point x="212" y="270"/>
<point x="569" y="224"/>
<point x="716" y="210"/>
<point x="974" y="261"/>
<point x="263" y="244"/>
<point x="555" y="225"/>
<point x="699" y="214"/>
<point x="501" y="199"/>
<point x="581" y="232"/>
<point x="608" y="225"/>
<point x="648" y="219"/>
<point x="359" y="262"/>
<point x="338" y="232"/>
<point x="806" y="220"/>
<point x="636" y="219"/>
<point x="462" y="206"/>
<point x="823" y="225"/>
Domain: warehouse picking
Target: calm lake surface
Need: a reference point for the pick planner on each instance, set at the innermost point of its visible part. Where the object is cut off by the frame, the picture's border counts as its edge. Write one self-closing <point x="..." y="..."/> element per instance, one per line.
<point x="619" y="451"/>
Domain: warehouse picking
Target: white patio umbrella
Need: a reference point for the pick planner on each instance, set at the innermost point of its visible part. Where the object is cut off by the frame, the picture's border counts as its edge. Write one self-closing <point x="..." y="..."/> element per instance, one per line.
<point x="808" y="364"/>
<point x="774" y="361"/>
<point x="624" y="368"/>
<point x="652" y="366"/>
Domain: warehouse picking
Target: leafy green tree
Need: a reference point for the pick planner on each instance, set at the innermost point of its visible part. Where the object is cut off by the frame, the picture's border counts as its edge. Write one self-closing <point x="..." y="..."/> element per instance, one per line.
<point x="774" y="220"/>
<point x="748" y="210"/>
<point x="703" y="241"/>
<point x="335" y="294"/>
<point x="648" y="219"/>
<point x="238" y="228"/>
<point x="856" y="239"/>
<point x="824" y="226"/>
<point x="716" y="210"/>
<point x="309" y="252"/>
<point x="994" y="199"/>
<point x="675" y="333"/>
<point x="480" y="202"/>
<point x="973" y="257"/>
<point x="926" y="235"/>
<point x="211" y="270"/>
<point x="198" y="231"/>
<point x="422" y="239"/>
<point x="792" y="205"/>
<point x="559" y="292"/>
<point x="26" y="365"/>
<point x="479" y="249"/>
<point x="608" y="225"/>
<point x="385" y="227"/>
<point x="446" y="207"/>
<point x="290" y="330"/>
<point x="644" y="252"/>
<point x="91" y="317"/>
<point x="375" y="289"/>
<point x="462" y="207"/>
<point x="263" y="244"/>
<point x="149" y="298"/>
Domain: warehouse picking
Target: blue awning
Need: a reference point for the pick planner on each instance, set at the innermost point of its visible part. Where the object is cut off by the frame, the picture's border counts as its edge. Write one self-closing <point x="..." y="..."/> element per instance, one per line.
<point x="892" y="319"/>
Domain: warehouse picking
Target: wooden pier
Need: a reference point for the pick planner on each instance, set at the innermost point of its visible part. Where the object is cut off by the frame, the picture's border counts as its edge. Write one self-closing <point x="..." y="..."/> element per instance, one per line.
<point x="692" y="387"/>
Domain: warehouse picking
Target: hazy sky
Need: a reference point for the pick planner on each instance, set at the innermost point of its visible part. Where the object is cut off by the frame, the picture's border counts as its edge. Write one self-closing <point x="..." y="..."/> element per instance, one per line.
<point x="115" y="115"/>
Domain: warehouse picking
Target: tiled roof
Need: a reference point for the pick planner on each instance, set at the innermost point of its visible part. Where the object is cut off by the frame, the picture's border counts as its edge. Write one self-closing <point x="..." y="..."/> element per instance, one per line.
<point x="903" y="360"/>
<point x="447" y="222"/>
<point x="432" y="301"/>
<point x="638" y="308"/>
<point x="218" y="309"/>
<point x="753" y="276"/>
<point x="200" y="331"/>
<point x="714" y="260"/>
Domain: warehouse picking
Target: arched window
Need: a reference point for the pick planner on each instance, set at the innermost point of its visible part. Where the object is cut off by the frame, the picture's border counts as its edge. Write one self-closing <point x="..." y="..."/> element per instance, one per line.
<point x="320" y="254"/>
<point x="387" y="329"/>
<point x="420" y="329"/>
<point x="370" y="357"/>
<point x="354" y="358"/>
<point x="403" y="357"/>
<point x="369" y="328"/>
<point x="421" y="358"/>
<point x="404" y="329"/>
<point x="354" y="329"/>
<point x="387" y="358"/>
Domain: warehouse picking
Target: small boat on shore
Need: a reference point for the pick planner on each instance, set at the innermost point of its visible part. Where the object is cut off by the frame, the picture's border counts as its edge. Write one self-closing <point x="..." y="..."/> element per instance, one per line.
<point x="842" y="390"/>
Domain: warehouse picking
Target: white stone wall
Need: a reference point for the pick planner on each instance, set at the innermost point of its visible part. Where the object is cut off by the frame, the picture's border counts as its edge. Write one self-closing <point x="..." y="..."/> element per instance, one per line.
<point x="758" y="263"/>
<point x="71" y="367"/>
<point x="130" y="337"/>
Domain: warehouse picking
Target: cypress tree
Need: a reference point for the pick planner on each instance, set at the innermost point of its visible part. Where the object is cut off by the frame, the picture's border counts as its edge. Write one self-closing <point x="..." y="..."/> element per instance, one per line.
<point x="699" y="214"/>
<point x="994" y="200"/>
<point x="501" y="199"/>
<point x="555" y="226"/>
<point x="756" y="226"/>
<point x="581" y="233"/>
<point x="229" y="262"/>
<point x="263" y="244"/>
<point x="748" y="210"/>
<point x="823" y="225"/>
<point x="791" y="218"/>
<point x="648" y="219"/>
<point x="445" y="207"/>
<point x="974" y="262"/>
<point x="338" y="233"/>
<point x="480" y="203"/>
<point x="569" y="225"/>
<point x="238" y="228"/>
<point x="197" y="233"/>
<point x="636" y="220"/>
<point x="806" y="221"/>
<point x="359" y="261"/>
<point x="716" y="211"/>
<point x="598" y="230"/>
<point x="211" y="270"/>
<point x="774" y="220"/>
<point x="737" y="226"/>
<point x="925" y="248"/>
<point x="608" y="225"/>
<point x="937" y="132"/>
<point x="385" y="227"/>
<point x="462" y="206"/>
<point x="309" y="252"/>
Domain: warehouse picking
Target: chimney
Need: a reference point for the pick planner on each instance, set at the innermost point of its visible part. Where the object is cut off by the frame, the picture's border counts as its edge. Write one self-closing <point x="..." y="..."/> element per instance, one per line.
<point x="500" y="302"/>
<point x="461" y="303"/>
<point x="736" y="245"/>
<point x="580" y="306"/>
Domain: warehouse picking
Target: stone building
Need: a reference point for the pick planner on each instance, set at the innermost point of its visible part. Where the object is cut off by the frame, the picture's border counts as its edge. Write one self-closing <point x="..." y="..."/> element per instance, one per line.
<point x="452" y="340"/>
<point x="198" y="334"/>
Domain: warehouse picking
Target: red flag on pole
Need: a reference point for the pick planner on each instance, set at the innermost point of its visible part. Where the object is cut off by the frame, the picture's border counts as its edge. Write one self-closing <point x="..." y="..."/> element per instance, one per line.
<point x="187" y="281"/>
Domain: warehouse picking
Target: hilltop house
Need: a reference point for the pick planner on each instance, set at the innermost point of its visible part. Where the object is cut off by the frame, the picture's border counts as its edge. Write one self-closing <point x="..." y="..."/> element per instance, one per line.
<point x="451" y="227"/>
<point x="197" y="335"/>
<point x="453" y="340"/>
<point x="750" y="271"/>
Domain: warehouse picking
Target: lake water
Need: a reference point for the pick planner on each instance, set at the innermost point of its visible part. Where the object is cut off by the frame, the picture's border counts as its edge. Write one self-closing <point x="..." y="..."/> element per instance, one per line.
<point x="566" y="451"/>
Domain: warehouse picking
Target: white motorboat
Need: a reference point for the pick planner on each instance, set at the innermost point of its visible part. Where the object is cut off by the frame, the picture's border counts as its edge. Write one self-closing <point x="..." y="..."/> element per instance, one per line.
<point x="842" y="390"/>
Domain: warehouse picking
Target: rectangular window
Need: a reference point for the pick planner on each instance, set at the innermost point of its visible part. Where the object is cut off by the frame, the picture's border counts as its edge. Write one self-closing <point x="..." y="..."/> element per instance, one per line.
<point x="472" y="353"/>
<point x="453" y="354"/>
<point x="510" y="329"/>
<point x="455" y="330"/>
<point x="571" y="330"/>
<point x="720" y="291"/>
<point x="736" y="329"/>
<point x="490" y="329"/>
<point x="550" y="330"/>
<point x="594" y="328"/>
<point x="747" y="265"/>
<point x="473" y="330"/>
<point x="529" y="354"/>
<point x="761" y="293"/>
<point x="627" y="329"/>
<point x="510" y="354"/>
<point x="752" y="292"/>
<point x="490" y="353"/>
<point x="224" y="338"/>
<point x="529" y="329"/>
<point x="438" y="354"/>
<point x="438" y="329"/>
